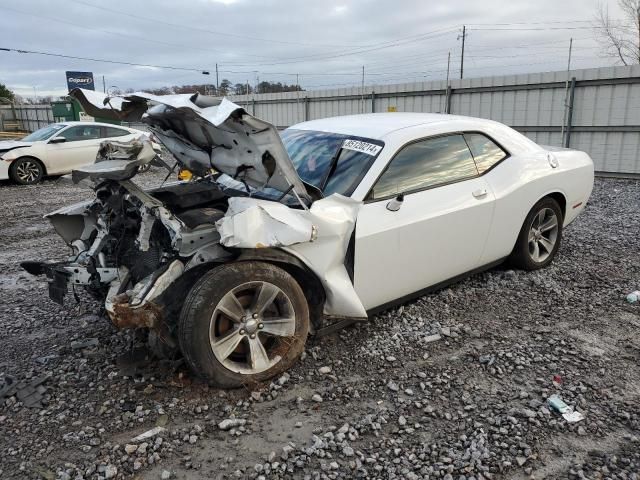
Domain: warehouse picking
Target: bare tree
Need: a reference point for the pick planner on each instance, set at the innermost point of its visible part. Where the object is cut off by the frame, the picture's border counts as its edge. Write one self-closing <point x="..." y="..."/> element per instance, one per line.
<point x="620" y="38"/>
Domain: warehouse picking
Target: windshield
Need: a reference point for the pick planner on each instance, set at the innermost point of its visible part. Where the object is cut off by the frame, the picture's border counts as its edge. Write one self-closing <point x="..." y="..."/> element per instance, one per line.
<point x="43" y="133"/>
<point x="312" y="154"/>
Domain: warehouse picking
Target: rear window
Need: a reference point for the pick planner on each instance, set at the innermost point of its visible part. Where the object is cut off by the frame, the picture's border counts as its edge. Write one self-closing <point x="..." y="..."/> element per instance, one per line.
<point x="115" y="132"/>
<point x="484" y="150"/>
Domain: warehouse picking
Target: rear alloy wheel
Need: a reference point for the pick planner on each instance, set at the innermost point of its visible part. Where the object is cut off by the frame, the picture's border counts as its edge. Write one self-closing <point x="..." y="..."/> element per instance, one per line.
<point x="243" y="323"/>
<point x="540" y="236"/>
<point x="26" y="171"/>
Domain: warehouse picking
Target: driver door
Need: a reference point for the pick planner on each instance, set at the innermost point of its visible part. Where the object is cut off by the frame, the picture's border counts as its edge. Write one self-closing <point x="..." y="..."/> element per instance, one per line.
<point x="439" y="230"/>
<point x="79" y="148"/>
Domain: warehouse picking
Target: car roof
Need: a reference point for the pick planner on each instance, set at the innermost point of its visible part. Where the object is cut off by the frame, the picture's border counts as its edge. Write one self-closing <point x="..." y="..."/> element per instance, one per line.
<point x="378" y="125"/>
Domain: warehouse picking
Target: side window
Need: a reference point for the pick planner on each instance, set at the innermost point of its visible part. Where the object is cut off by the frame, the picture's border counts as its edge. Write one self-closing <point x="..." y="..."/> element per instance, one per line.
<point x="115" y="132"/>
<point x="82" y="132"/>
<point x="426" y="163"/>
<point x="485" y="152"/>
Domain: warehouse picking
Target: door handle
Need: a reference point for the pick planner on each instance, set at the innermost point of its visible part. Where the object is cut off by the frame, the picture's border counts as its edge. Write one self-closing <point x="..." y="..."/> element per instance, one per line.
<point x="480" y="193"/>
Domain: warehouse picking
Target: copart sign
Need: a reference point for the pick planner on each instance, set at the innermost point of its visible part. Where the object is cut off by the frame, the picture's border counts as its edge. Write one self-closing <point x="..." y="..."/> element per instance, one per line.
<point x="80" y="80"/>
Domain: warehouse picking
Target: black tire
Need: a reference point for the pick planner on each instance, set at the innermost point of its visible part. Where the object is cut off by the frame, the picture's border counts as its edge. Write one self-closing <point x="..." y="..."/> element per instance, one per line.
<point x="26" y="171"/>
<point x="202" y="302"/>
<point x="522" y="255"/>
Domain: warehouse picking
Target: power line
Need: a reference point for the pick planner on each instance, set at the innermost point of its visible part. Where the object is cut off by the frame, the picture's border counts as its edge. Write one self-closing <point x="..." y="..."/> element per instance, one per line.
<point x="133" y="64"/>
<point x="119" y="34"/>
<point x="425" y="36"/>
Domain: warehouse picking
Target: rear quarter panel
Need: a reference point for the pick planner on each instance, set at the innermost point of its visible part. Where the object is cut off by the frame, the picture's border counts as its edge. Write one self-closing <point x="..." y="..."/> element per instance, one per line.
<point x="521" y="180"/>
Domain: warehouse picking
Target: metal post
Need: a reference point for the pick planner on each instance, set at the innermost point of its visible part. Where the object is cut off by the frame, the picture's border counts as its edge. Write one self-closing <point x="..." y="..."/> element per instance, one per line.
<point x="566" y="94"/>
<point x="464" y="35"/>
<point x="373" y="101"/>
<point x="104" y="85"/>
<point x="306" y="108"/>
<point x="572" y="90"/>
<point x="297" y="96"/>
<point x="362" y="92"/>
<point x="253" y="106"/>
<point x="217" y="83"/>
<point x="448" y="95"/>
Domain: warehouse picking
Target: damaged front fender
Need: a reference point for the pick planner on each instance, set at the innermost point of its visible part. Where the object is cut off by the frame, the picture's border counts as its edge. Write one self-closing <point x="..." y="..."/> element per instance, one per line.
<point x="319" y="237"/>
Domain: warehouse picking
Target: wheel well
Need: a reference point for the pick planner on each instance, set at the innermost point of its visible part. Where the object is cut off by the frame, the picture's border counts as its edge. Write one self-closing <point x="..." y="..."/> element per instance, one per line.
<point x="44" y="169"/>
<point x="173" y="297"/>
<point x="311" y="285"/>
<point x="562" y="201"/>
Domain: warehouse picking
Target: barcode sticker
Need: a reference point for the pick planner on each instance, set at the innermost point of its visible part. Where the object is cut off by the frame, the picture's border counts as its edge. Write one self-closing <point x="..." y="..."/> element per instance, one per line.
<point x="364" y="147"/>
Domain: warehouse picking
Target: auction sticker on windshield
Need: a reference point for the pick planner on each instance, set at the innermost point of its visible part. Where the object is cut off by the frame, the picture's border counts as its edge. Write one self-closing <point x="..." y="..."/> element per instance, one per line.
<point x="360" y="146"/>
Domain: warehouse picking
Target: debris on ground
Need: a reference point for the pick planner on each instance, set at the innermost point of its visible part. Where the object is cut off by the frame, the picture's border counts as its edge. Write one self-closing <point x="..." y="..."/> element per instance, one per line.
<point x="29" y="392"/>
<point x="633" y="297"/>
<point x="149" y="434"/>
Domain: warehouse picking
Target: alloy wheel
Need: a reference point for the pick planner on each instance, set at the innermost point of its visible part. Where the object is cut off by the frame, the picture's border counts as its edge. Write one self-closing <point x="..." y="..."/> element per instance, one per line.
<point x="28" y="171"/>
<point x="251" y="327"/>
<point x="543" y="235"/>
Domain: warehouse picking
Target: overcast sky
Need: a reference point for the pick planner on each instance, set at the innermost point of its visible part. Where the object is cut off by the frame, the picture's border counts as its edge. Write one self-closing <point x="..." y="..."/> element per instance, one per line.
<point x="325" y="42"/>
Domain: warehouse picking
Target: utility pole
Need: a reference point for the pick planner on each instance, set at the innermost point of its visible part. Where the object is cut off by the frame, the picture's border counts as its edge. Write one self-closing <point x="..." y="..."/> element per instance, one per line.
<point x="362" y="92"/>
<point x="247" y="91"/>
<point x="104" y="87"/>
<point x="566" y="94"/>
<point x="464" y="36"/>
<point x="217" y="83"/>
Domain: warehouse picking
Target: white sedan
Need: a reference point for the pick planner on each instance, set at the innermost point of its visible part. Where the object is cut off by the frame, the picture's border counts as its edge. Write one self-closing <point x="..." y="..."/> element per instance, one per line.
<point x="57" y="149"/>
<point x="306" y="232"/>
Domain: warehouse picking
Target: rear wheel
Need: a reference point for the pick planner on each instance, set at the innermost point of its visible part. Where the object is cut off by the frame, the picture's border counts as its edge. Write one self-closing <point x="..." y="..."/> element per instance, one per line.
<point x="243" y="323"/>
<point x="539" y="237"/>
<point x="26" y="171"/>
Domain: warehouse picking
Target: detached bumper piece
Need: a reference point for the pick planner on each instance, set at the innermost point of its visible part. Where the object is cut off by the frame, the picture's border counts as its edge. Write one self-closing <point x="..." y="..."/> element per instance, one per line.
<point x="58" y="278"/>
<point x="58" y="284"/>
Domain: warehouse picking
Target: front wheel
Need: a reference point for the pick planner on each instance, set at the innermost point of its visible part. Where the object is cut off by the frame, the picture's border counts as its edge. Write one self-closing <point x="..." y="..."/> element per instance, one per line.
<point x="26" y="171"/>
<point x="539" y="237"/>
<point x="243" y="323"/>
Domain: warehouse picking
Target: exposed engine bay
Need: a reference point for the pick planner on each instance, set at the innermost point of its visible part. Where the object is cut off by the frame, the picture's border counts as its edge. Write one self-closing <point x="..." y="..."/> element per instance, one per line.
<point x="141" y="251"/>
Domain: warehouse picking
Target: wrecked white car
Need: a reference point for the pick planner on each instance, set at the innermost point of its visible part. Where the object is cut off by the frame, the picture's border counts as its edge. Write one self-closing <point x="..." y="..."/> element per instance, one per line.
<point x="302" y="232"/>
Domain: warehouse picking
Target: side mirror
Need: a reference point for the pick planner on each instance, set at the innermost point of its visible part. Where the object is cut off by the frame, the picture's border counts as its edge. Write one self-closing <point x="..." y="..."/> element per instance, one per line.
<point x="395" y="204"/>
<point x="58" y="140"/>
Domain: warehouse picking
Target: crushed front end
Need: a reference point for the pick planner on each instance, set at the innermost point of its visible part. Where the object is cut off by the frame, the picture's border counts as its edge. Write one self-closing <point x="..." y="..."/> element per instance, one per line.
<point x="143" y="251"/>
<point x="128" y="246"/>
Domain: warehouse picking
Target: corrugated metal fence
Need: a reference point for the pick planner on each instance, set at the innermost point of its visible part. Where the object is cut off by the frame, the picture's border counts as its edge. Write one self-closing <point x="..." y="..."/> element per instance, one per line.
<point x="25" y="117"/>
<point x="602" y="118"/>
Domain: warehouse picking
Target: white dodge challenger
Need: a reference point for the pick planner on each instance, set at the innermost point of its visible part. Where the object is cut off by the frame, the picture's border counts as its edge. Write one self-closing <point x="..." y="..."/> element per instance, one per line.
<point x="302" y="232"/>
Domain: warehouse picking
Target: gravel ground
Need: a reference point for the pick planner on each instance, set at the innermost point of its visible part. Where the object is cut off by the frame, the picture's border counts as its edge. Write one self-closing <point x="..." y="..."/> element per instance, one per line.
<point x="450" y="386"/>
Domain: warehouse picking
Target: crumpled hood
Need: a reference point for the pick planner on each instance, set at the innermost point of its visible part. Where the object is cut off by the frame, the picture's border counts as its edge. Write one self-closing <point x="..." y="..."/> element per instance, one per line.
<point x="204" y="132"/>
<point x="7" y="145"/>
